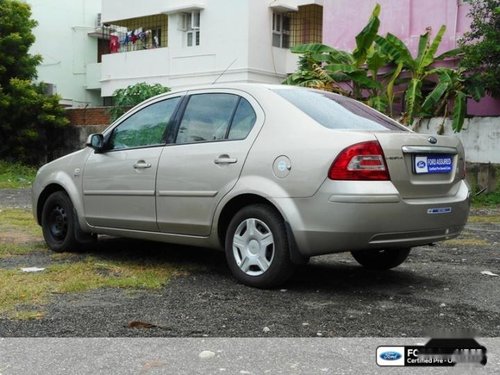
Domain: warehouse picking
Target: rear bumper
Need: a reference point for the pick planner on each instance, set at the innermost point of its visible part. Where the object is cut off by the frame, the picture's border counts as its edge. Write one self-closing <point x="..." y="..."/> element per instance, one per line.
<point x="372" y="217"/>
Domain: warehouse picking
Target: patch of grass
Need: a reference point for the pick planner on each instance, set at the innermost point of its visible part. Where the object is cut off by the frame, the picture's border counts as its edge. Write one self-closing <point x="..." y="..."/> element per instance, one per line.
<point x="487" y="199"/>
<point x="24" y="295"/>
<point x="19" y="233"/>
<point x="27" y="314"/>
<point x="21" y="293"/>
<point x="467" y="238"/>
<point x="495" y="219"/>
<point x="18" y="219"/>
<point x="16" y="175"/>
<point x="479" y="242"/>
<point x="11" y="249"/>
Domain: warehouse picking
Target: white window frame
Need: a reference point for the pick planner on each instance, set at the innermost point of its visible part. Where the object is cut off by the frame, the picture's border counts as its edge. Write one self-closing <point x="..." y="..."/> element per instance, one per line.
<point x="279" y="31"/>
<point x="191" y="26"/>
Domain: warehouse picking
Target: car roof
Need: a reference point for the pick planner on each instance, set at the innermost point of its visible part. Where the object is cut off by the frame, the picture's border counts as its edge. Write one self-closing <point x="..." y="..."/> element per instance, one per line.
<point x="235" y="86"/>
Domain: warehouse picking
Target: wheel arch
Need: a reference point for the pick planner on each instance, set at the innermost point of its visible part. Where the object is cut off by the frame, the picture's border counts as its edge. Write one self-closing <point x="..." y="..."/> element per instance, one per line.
<point x="42" y="198"/>
<point x="233" y="206"/>
<point x="70" y="189"/>
<point x="237" y="203"/>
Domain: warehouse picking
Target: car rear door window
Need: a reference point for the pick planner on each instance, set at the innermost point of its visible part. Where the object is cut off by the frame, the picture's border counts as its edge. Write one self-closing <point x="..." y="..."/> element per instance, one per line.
<point x="207" y="117"/>
<point x="243" y="120"/>
<point x="215" y="117"/>
<point x="146" y="127"/>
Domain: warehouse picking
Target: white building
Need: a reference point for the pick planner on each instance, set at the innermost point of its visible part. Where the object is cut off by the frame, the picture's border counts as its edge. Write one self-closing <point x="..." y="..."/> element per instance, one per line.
<point x="69" y="55"/>
<point x="90" y="48"/>
<point x="178" y="43"/>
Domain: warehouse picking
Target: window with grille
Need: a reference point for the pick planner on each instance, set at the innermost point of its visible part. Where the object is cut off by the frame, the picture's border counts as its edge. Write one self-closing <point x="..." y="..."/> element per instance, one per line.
<point x="307" y="25"/>
<point x="293" y="28"/>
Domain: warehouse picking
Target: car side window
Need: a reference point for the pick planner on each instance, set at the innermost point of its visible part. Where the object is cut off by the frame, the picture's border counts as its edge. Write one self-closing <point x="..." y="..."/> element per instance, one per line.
<point x="207" y="117"/>
<point x="144" y="128"/>
<point x="243" y="120"/>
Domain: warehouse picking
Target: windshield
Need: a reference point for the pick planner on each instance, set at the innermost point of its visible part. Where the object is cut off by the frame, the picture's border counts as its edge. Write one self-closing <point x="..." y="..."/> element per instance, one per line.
<point x="338" y="112"/>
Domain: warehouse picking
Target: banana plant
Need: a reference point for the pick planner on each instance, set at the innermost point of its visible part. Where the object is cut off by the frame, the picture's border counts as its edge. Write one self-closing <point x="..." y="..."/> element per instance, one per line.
<point x="366" y="60"/>
<point x="378" y="65"/>
<point x="354" y="74"/>
<point x="420" y="70"/>
<point x="311" y="70"/>
<point x="453" y="86"/>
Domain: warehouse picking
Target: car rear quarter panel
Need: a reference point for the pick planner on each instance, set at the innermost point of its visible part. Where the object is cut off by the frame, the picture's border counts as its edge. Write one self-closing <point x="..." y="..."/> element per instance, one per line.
<point x="310" y="147"/>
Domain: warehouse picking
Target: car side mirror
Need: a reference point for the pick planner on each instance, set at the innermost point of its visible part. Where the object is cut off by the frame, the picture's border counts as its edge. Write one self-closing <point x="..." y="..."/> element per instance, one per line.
<point x="96" y="141"/>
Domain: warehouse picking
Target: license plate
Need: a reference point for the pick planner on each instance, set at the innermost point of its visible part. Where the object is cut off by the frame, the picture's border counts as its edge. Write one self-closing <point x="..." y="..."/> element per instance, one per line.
<point x="431" y="164"/>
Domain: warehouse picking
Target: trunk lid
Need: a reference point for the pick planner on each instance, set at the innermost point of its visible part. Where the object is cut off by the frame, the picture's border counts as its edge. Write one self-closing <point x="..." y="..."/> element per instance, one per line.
<point x="423" y="166"/>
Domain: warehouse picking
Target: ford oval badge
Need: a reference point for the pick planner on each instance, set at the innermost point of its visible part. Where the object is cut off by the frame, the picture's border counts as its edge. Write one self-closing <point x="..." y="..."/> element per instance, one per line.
<point x="432" y="140"/>
<point x="390" y="356"/>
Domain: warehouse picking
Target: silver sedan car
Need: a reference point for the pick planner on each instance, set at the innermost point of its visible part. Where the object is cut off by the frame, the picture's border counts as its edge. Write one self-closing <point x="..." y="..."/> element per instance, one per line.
<point x="271" y="174"/>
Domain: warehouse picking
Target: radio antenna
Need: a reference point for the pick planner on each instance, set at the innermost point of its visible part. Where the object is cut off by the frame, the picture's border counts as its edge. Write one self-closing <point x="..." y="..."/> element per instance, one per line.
<point x="224" y="72"/>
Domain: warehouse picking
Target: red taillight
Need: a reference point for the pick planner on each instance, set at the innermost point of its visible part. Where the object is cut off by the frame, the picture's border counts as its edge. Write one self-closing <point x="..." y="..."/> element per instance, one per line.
<point x="362" y="161"/>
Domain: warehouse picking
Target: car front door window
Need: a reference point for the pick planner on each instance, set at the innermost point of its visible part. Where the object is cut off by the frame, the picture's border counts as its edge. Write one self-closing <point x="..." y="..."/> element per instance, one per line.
<point x="144" y="128"/>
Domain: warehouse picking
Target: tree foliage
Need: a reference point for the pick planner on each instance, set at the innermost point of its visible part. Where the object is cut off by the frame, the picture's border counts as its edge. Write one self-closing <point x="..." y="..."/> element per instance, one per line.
<point x="124" y="99"/>
<point x="15" y="40"/>
<point x="28" y="117"/>
<point x="481" y="45"/>
<point x="382" y="70"/>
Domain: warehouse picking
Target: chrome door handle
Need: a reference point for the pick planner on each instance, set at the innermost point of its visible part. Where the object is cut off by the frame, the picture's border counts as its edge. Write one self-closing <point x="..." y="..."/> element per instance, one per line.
<point x="141" y="164"/>
<point x="225" y="159"/>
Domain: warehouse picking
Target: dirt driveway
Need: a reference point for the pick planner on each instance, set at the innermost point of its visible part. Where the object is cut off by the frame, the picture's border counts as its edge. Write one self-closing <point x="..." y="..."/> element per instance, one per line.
<point x="451" y="286"/>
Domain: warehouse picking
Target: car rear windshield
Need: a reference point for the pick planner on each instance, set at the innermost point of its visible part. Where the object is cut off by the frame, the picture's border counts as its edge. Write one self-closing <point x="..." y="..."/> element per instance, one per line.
<point x="338" y="112"/>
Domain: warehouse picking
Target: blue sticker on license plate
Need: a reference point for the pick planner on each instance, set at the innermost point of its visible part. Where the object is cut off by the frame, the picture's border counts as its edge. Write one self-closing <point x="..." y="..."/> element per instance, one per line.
<point x="426" y="164"/>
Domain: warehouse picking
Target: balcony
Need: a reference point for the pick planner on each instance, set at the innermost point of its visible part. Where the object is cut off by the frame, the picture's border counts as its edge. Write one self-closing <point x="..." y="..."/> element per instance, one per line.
<point x="122" y="69"/>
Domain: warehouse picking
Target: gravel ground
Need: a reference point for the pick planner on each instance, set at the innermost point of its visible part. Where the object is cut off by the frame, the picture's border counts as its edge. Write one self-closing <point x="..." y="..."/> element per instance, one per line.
<point x="15" y="198"/>
<point x="439" y="286"/>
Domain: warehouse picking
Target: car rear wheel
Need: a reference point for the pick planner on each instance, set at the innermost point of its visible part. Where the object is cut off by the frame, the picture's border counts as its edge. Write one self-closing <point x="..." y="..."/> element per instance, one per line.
<point x="58" y="223"/>
<point x="381" y="259"/>
<point x="257" y="248"/>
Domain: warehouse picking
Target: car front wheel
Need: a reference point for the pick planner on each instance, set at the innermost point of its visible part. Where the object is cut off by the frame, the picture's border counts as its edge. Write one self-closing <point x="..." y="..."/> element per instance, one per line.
<point x="257" y="248"/>
<point x="381" y="259"/>
<point x="58" y="223"/>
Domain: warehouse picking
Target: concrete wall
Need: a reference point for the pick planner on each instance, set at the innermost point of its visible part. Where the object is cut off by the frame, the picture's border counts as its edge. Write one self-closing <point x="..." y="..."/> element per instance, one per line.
<point x="75" y="138"/>
<point x="83" y="122"/>
<point x="480" y="136"/>
<point x="62" y="40"/>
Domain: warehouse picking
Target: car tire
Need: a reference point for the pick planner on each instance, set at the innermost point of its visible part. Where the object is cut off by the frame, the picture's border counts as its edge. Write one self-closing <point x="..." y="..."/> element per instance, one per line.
<point x="381" y="259"/>
<point x="257" y="248"/>
<point x="58" y="223"/>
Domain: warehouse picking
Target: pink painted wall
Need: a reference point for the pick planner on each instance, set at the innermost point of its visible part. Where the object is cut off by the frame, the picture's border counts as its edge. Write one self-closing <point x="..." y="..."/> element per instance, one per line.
<point x="407" y="19"/>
